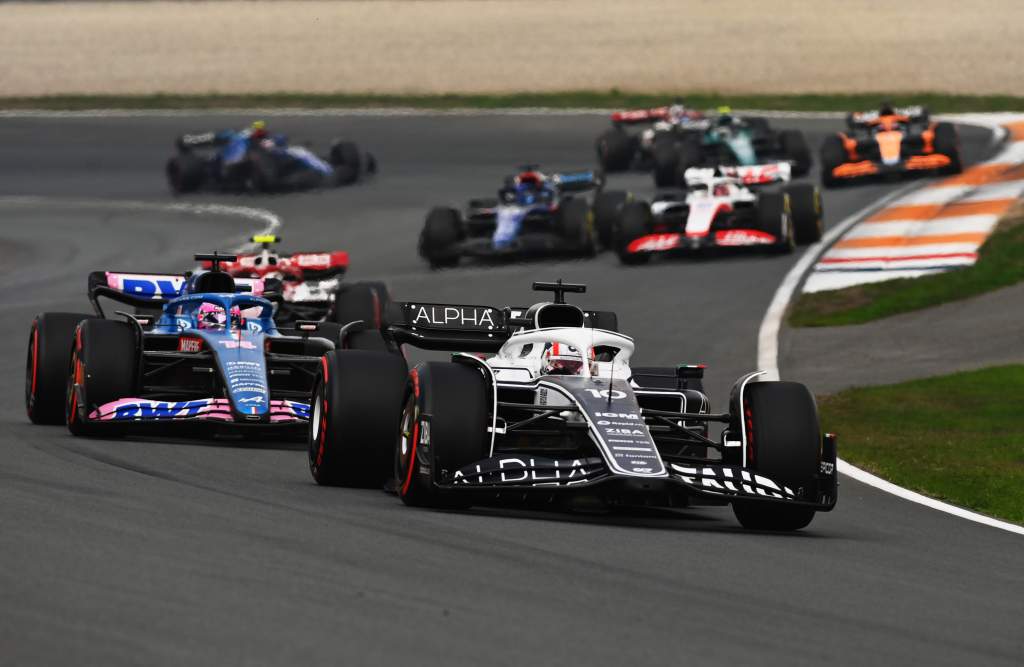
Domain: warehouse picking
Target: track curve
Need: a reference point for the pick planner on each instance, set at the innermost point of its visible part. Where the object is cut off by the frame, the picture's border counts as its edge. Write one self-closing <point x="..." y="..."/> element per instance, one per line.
<point x="171" y="552"/>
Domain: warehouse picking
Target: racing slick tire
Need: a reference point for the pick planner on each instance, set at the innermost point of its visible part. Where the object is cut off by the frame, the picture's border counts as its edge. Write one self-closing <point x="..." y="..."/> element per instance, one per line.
<point x="794" y="147"/>
<point x="608" y="207"/>
<point x="455" y="397"/>
<point x="774" y="216"/>
<point x="367" y="302"/>
<point x="357" y="400"/>
<point x="833" y="154"/>
<point x="947" y="143"/>
<point x="346" y="160"/>
<point x="806" y="209"/>
<point x="615" y="149"/>
<point x="46" y="368"/>
<point x="185" y="173"/>
<point x="264" y="175"/>
<point x="665" y="155"/>
<point x="104" y="367"/>
<point x="758" y="125"/>
<point x="574" y="222"/>
<point x="440" y="237"/>
<point x="635" y="222"/>
<point x="785" y="440"/>
<point x="690" y="155"/>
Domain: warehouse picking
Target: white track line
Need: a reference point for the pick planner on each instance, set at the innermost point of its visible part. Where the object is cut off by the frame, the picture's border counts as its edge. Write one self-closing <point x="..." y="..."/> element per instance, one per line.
<point x="271" y="222"/>
<point x="768" y="360"/>
<point x="768" y="335"/>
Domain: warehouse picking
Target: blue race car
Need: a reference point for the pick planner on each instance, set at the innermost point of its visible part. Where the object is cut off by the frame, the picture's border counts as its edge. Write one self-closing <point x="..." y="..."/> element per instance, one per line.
<point x="213" y="358"/>
<point x="534" y="214"/>
<point x="253" y="159"/>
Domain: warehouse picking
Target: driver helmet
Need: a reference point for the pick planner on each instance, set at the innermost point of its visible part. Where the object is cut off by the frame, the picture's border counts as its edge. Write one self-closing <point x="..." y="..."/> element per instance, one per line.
<point x="720" y="190"/>
<point x="211" y="316"/>
<point x="528" y="187"/>
<point x="258" y="130"/>
<point x="677" y="111"/>
<point x="886" y="109"/>
<point x="725" y="117"/>
<point x="563" y="359"/>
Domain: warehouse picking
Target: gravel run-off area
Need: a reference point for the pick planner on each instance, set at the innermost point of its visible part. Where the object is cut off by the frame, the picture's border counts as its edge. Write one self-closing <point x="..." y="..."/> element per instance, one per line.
<point x="431" y="46"/>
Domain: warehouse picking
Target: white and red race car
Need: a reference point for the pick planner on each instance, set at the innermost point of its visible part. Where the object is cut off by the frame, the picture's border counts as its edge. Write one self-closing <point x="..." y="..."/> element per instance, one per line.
<point x="307" y="282"/>
<point x="722" y="207"/>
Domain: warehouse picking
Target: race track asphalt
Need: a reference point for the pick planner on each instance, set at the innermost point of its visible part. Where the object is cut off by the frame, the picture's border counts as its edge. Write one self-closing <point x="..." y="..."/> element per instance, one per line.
<point x="176" y="552"/>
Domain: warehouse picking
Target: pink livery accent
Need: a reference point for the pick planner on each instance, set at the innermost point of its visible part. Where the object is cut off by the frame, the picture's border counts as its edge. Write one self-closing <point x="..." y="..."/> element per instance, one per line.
<point x="209" y="409"/>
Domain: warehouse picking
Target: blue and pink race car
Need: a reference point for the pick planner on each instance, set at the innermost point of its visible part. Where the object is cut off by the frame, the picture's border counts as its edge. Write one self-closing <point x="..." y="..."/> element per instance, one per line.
<point x="212" y="357"/>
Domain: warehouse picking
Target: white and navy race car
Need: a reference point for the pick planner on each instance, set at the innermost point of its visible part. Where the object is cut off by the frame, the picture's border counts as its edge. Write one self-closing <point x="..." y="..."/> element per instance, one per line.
<point x="722" y="207"/>
<point x="560" y="413"/>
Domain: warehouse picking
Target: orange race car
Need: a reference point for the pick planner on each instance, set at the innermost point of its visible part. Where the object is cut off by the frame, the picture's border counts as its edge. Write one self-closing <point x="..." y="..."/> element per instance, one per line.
<point x="890" y="141"/>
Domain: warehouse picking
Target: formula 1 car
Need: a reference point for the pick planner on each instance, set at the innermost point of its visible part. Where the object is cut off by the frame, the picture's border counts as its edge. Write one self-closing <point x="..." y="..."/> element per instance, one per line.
<point x="681" y="139"/>
<point x="723" y="207"/>
<point x="534" y="214"/>
<point x="559" y="413"/>
<point x="303" y="285"/>
<point x="214" y="358"/>
<point x="252" y="159"/>
<point x="617" y="150"/>
<point x="890" y="142"/>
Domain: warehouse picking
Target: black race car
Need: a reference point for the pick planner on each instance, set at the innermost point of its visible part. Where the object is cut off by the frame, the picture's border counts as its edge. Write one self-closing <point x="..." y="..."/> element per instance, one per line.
<point x="560" y="415"/>
<point x="253" y="159"/>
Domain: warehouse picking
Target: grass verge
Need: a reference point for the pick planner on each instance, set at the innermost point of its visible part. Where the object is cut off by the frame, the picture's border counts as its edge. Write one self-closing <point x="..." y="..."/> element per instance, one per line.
<point x="610" y="99"/>
<point x="959" y="438"/>
<point x="1000" y="264"/>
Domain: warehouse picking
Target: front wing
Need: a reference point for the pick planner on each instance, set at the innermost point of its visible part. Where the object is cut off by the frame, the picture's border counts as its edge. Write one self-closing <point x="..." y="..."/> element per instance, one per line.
<point x="678" y="241"/>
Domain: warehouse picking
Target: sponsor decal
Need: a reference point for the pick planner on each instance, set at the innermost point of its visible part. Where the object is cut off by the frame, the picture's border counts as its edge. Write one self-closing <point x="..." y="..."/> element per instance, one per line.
<point x="655" y="243"/>
<point x="182" y="323"/>
<point x="452" y="316"/>
<point x="159" y="409"/>
<point x="826" y="467"/>
<point x="532" y="471"/>
<point x="246" y="377"/>
<point x="731" y="481"/>
<point x="741" y="237"/>
<point x="190" y="344"/>
<point x="237" y="344"/>
<point x="146" y="286"/>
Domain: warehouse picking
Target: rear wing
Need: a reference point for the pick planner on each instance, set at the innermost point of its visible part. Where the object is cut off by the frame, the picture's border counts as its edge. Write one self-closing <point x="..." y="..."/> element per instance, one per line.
<point x="757" y="174"/>
<point x="464" y="327"/>
<point x="637" y="116"/>
<point x="149" y="290"/>
<point x="867" y="118"/>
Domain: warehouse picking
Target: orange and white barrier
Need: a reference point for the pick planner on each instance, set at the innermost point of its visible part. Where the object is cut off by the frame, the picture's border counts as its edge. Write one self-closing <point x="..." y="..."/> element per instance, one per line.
<point x="936" y="228"/>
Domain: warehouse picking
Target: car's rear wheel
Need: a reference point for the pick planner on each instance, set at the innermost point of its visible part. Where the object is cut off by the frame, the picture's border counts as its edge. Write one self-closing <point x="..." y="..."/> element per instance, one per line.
<point x="440" y="238"/>
<point x="364" y="302"/>
<point x="615" y="149"/>
<point x="46" y="367"/>
<point x="185" y="173"/>
<point x="574" y="222"/>
<point x="806" y="208"/>
<point x="833" y="154"/>
<point x="103" y="368"/>
<point x="608" y="207"/>
<point x="947" y="143"/>
<point x="443" y="429"/>
<point x="690" y="155"/>
<point x="665" y="156"/>
<point x="346" y="160"/>
<point x="773" y="216"/>
<point x="794" y="147"/>
<point x="634" y="223"/>
<point x="357" y="400"/>
<point x="783" y="444"/>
